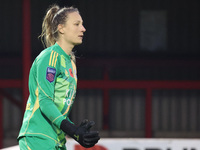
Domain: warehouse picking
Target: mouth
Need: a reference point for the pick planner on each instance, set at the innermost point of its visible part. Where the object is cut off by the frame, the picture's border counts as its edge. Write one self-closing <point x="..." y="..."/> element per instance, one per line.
<point x="81" y="36"/>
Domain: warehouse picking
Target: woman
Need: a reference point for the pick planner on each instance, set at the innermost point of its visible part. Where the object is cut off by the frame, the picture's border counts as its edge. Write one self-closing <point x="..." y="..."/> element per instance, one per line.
<point x="52" y="86"/>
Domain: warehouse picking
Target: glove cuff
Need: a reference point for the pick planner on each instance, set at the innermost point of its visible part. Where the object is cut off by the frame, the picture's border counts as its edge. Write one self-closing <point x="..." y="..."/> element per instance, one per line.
<point x="68" y="128"/>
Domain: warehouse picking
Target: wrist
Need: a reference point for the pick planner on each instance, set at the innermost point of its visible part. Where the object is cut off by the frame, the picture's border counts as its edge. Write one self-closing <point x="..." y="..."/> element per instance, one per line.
<point x="68" y="128"/>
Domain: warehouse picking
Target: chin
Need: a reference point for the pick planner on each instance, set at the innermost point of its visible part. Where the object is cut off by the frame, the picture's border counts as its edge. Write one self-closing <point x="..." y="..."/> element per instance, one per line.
<point x="78" y="43"/>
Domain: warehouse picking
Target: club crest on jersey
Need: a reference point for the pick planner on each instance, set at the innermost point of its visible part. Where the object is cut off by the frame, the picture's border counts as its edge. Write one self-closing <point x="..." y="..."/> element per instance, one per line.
<point x="66" y="73"/>
<point x="51" y="72"/>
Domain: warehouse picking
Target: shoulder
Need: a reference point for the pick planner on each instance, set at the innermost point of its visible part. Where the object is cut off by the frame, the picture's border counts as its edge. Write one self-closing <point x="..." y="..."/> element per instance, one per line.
<point x="44" y="54"/>
<point x="48" y="56"/>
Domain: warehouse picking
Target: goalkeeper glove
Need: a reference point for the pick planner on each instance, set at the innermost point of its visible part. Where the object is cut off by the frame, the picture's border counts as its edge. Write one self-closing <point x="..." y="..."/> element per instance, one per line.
<point x="82" y="133"/>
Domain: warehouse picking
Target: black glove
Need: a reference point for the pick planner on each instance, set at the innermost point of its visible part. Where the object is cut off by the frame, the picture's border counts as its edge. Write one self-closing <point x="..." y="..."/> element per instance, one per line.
<point x="82" y="133"/>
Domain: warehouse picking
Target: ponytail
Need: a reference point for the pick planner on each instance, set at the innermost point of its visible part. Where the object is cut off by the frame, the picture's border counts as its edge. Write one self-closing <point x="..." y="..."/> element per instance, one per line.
<point x="47" y="36"/>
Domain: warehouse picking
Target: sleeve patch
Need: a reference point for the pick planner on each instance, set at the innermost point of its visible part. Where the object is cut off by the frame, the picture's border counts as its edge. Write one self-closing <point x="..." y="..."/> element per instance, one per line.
<point x="50" y="75"/>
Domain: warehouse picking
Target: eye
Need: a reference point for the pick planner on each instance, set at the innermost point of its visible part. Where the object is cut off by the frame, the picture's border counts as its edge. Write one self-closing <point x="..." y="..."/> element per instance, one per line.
<point x="76" y="24"/>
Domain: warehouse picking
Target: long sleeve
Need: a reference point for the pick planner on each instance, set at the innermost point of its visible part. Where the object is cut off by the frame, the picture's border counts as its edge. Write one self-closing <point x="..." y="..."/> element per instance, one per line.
<point x="47" y="71"/>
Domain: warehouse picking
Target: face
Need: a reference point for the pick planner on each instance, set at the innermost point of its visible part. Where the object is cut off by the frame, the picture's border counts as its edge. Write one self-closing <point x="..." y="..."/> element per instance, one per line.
<point x="72" y="31"/>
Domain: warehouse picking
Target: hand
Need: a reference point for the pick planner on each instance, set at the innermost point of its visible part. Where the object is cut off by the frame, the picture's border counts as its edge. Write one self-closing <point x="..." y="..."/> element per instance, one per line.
<point x="84" y="136"/>
<point x="82" y="133"/>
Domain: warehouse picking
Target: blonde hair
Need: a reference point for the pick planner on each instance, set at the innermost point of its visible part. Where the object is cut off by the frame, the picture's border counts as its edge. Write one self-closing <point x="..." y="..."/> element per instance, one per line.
<point x="54" y="16"/>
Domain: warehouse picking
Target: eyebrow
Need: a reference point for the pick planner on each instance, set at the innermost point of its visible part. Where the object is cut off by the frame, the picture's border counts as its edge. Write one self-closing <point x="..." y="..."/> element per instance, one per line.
<point x="78" y="21"/>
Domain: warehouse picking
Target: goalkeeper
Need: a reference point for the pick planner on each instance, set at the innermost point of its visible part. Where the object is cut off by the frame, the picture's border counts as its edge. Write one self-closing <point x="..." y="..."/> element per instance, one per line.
<point x="52" y="86"/>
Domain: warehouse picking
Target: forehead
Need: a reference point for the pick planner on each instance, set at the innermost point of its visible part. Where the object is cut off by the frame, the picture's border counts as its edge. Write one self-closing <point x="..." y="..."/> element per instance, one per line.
<point x="73" y="17"/>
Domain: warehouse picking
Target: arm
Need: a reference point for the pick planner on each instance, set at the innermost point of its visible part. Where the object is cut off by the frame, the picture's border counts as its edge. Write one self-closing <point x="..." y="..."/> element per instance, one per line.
<point x="46" y="73"/>
<point x="46" y="76"/>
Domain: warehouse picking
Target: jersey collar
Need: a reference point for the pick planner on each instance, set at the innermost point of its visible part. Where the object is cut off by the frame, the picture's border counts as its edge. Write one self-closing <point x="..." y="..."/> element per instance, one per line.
<point x="61" y="51"/>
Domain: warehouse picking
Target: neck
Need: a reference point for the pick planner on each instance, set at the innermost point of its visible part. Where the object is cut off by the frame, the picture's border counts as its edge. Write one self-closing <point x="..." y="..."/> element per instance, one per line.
<point x="65" y="46"/>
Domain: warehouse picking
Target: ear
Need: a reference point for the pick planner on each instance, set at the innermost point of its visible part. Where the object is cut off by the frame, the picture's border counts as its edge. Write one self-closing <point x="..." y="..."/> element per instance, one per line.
<point x="60" y="29"/>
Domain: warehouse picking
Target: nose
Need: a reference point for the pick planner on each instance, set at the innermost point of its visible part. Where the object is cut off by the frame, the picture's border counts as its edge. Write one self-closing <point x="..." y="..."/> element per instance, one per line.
<point x="83" y="29"/>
